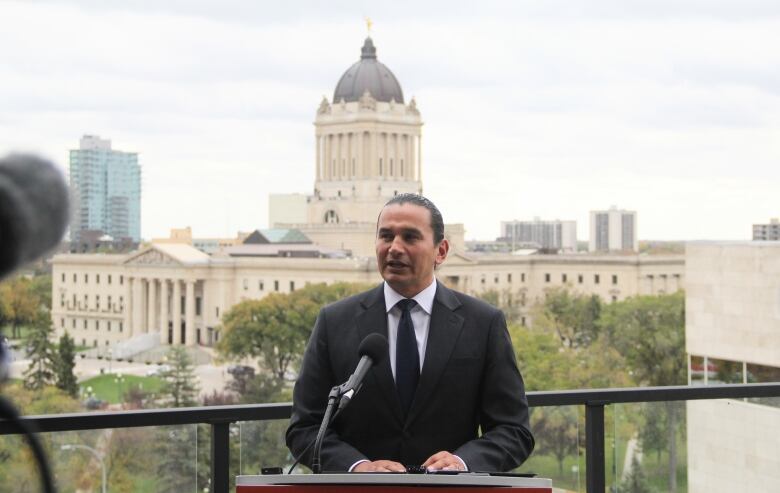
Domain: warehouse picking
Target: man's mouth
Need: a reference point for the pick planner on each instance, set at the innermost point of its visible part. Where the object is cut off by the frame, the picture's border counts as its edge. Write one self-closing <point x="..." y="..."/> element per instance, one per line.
<point x="395" y="264"/>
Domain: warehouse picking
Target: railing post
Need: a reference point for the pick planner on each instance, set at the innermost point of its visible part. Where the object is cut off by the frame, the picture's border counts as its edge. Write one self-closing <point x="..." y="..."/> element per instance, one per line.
<point x="595" y="474"/>
<point x="220" y="457"/>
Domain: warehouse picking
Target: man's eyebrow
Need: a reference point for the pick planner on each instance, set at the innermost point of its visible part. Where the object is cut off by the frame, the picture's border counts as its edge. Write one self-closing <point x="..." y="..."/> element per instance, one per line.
<point x="403" y="231"/>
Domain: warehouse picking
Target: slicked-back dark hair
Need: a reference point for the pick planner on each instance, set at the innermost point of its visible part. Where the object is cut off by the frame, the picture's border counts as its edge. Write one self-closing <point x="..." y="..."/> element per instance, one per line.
<point x="437" y="222"/>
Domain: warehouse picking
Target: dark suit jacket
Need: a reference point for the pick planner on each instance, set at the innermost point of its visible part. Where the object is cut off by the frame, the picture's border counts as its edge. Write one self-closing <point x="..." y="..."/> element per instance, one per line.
<point x="469" y="382"/>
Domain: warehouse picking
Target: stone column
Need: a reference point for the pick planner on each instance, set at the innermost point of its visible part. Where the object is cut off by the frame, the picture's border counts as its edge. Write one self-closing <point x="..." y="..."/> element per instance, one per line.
<point x="138" y="305"/>
<point x="176" y="312"/>
<point x="164" y="311"/>
<point x="419" y="158"/>
<point x="318" y="158"/>
<point x="152" y="305"/>
<point x="189" y="311"/>
<point x="128" y="307"/>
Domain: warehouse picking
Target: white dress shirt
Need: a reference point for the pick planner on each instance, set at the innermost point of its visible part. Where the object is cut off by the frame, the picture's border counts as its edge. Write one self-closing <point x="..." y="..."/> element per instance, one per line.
<point x="421" y="318"/>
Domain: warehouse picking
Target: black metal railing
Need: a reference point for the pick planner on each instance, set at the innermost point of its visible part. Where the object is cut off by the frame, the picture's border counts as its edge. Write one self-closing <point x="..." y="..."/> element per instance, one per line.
<point x="220" y="417"/>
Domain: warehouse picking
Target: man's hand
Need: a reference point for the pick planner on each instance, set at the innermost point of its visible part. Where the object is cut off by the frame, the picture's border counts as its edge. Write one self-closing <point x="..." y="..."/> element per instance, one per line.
<point x="379" y="466"/>
<point x="444" y="461"/>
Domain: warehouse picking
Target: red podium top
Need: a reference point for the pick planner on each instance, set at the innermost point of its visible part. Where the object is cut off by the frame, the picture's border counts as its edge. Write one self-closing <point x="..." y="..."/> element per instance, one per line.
<point x="390" y="483"/>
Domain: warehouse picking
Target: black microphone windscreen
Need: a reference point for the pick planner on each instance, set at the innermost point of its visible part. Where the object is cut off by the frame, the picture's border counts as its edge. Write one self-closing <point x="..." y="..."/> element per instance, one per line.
<point x="33" y="209"/>
<point x="374" y="346"/>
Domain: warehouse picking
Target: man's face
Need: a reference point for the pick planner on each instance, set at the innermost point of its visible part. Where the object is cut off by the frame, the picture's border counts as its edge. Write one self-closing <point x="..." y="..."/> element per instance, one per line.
<point x="405" y="251"/>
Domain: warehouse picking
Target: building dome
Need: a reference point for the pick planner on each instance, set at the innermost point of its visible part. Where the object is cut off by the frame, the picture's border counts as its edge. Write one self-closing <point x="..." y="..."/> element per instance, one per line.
<point x="368" y="75"/>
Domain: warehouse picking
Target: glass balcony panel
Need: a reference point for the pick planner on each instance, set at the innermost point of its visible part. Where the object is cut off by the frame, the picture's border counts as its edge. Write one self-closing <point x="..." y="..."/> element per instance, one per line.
<point x="148" y="459"/>
<point x="560" y="444"/>
<point x="646" y="453"/>
<point x="262" y="444"/>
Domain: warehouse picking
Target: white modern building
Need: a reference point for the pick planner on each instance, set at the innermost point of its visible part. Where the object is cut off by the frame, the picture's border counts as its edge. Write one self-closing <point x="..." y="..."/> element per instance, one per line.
<point x="732" y="334"/>
<point x="613" y="230"/>
<point x="553" y="235"/>
<point x="767" y="232"/>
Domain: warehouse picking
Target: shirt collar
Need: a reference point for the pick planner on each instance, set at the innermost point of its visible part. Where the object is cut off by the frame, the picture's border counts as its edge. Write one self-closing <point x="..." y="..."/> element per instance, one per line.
<point x="424" y="298"/>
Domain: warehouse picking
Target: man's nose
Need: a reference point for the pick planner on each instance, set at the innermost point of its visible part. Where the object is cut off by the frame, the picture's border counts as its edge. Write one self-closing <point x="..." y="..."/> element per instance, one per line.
<point x="396" y="246"/>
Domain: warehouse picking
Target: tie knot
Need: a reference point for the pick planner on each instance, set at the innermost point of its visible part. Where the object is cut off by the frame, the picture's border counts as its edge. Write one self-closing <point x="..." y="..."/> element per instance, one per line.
<point x="406" y="304"/>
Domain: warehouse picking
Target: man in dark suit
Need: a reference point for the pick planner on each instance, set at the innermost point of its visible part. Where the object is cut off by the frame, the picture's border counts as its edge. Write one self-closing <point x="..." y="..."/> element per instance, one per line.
<point x="451" y="371"/>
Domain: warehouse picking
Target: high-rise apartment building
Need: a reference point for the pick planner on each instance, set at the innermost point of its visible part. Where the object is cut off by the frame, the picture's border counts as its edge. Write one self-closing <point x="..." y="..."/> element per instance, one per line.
<point x="106" y="188"/>
<point x="613" y="230"/>
<point x="548" y="235"/>
<point x="767" y="232"/>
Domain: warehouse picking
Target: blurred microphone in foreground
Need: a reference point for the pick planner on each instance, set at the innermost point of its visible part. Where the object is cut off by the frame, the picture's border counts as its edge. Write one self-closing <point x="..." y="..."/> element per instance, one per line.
<point x="33" y="217"/>
<point x="33" y="209"/>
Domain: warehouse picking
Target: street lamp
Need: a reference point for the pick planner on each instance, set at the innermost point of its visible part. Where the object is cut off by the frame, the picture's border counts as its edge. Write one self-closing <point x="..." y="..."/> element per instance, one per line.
<point x="95" y="453"/>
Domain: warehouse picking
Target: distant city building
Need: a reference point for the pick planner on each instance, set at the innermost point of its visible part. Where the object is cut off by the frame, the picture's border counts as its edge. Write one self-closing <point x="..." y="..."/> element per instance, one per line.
<point x="551" y="236"/>
<point x="106" y="188"/>
<point x="767" y="232"/>
<point x="273" y="236"/>
<point x="613" y="230"/>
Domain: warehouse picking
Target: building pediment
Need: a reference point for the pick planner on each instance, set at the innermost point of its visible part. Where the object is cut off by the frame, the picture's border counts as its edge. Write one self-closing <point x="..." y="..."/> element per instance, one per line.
<point x="152" y="256"/>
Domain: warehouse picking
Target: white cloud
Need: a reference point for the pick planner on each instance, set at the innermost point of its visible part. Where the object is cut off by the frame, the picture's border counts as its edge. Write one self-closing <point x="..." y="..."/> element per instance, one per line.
<point x="555" y="107"/>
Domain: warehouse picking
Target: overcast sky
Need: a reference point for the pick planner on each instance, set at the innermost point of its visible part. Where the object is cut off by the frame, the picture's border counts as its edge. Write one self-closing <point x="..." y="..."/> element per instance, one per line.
<point x="535" y="108"/>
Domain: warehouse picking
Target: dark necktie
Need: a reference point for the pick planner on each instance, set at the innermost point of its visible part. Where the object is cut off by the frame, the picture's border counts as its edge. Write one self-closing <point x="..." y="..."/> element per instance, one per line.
<point x="407" y="359"/>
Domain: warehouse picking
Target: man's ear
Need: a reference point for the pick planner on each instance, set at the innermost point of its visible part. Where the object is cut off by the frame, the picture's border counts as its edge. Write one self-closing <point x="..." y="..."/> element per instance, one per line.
<point x="441" y="252"/>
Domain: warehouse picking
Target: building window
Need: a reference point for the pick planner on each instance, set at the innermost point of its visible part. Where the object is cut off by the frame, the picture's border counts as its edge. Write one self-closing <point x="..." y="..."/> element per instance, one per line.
<point x="120" y="326"/>
<point x="85" y="324"/>
<point x="97" y="324"/>
<point x="97" y="302"/>
<point x="197" y="305"/>
<point x="94" y="343"/>
<point x="596" y="279"/>
<point x="63" y="277"/>
<point x="246" y="284"/>
<point x="62" y="323"/>
<point x="86" y="301"/>
<point x="563" y="278"/>
<point x="109" y="303"/>
<point x="482" y="279"/>
<point x="580" y="279"/>
<point x="614" y="298"/>
<point x="74" y="279"/>
<point x="73" y="323"/>
<point x="216" y="311"/>
<point x="86" y="278"/>
<point x="547" y="278"/>
<point x="121" y="280"/>
<point x="83" y="342"/>
<point x="495" y="279"/>
<point x="292" y="286"/>
<point x="260" y="285"/>
<point x="522" y="320"/>
<point x="614" y="278"/>
<point x="97" y="278"/>
<point x="522" y="277"/>
<point x="276" y="285"/>
<point x="380" y="166"/>
<point x="62" y="300"/>
<point x="109" y="278"/>
<point x="509" y="277"/>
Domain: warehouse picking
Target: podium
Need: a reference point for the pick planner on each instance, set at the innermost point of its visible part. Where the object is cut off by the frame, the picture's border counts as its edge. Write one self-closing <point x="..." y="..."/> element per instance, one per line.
<point x="391" y="483"/>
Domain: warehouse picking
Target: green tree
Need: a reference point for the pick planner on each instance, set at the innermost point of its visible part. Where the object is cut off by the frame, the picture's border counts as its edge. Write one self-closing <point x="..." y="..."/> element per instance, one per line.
<point x="276" y="328"/>
<point x="570" y="316"/>
<point x="65" y="362"/>
<point x="650" y="332"/>
<point x="42" y="369"/>
<point x="40" y="288"/>
<point x="180" y="388"/>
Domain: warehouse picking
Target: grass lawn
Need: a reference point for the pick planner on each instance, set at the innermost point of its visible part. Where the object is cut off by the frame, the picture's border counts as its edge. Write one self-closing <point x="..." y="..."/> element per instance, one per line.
<point x="107" y="388"/>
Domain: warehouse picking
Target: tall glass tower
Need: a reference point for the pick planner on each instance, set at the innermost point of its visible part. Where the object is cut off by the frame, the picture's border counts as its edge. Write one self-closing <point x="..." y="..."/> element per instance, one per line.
<point x="106" y="188"/>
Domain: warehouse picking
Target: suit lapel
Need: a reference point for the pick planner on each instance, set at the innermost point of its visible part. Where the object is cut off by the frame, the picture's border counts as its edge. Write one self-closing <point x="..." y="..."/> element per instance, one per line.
<point x="443" y="334"/>
<point x="374" y="320"/>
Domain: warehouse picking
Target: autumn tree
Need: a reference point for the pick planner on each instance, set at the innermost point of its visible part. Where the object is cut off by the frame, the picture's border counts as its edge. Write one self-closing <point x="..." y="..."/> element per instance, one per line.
<point x="570" y="316"/>
<point x="20" y="304"/>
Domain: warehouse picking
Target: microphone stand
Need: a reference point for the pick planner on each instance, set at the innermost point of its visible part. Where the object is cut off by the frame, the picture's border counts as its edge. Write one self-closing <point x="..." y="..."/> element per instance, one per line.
<point x="333" y="399"/>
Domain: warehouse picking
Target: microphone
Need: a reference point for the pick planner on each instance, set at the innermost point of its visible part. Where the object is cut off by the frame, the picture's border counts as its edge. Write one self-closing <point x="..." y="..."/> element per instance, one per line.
<point x="33" y="209"/>
<point x="372" y="350"/>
